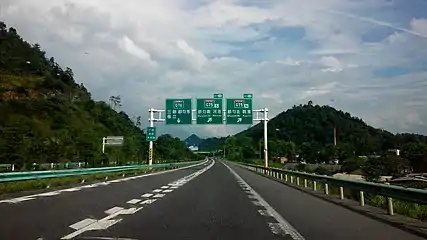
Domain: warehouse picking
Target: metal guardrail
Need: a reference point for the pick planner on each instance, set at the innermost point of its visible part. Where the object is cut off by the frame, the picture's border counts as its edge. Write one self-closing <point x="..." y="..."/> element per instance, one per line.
<point x="412" y="195"/>
<point x="21" y="176"/>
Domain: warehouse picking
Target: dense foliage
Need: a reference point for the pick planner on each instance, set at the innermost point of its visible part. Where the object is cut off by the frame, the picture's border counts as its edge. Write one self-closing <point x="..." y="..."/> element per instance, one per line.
<point x="306" y="133"/>
<point x="45" y="116"/>
<point x="210" y="144"/>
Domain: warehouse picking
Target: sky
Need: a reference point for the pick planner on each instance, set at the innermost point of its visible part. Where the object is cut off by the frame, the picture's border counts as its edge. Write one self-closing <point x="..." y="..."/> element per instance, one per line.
<point x="365" y="57"/>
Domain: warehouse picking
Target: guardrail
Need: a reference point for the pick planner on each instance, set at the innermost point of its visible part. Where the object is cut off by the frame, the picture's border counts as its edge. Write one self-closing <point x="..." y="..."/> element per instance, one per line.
<point x="412" y="195"/>
<point x="21" y="176"/>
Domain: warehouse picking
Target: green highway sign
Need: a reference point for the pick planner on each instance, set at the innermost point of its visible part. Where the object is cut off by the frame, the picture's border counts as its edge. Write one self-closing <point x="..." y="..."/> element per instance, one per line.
<point x="218" y="95"/>
<point x="239" y="111"/>
<point x="209" y="111"/>
<point x="178" y="111"/>
<point x="150" y="134"/>
<point x="248" y="95"/>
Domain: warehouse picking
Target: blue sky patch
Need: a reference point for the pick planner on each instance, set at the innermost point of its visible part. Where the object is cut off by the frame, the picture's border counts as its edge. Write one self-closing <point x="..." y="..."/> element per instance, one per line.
<point x="288" y="33"/>
<point x="377" y="34"/>
<point x="390" y="72"/>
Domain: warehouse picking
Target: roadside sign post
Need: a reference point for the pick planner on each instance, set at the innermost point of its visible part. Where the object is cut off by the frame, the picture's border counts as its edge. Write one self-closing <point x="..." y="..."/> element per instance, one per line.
<point x="178" y="111"/>
<point x="150" y="134"/>
<point x="111" y="140"/>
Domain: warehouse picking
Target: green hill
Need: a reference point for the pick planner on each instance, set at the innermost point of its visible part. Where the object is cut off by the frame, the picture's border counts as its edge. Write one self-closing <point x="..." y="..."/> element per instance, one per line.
<point x="47" y="117"/>
<point x="314" y="125"/>
<point x="306" y="132"/>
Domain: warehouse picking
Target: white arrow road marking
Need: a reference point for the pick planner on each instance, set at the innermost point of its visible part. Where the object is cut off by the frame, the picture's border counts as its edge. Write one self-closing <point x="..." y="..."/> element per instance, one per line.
<point x="147" y="195"/>
<point x="134" y="201"/>
<point x="91" y="224"/>
<point x="113" y="210"/>
<point x="148" y="201"/>
<point x="83" y="223"/>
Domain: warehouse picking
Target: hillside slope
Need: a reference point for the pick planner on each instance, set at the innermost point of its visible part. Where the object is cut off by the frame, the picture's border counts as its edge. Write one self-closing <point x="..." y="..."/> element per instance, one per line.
<point x="306" y="132"/>
<point x="47" y="117"/>
<point x="315" y="124"/>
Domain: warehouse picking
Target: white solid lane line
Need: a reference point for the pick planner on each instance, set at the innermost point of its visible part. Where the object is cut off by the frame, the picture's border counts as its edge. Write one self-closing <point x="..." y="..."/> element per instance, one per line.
<point x="281" y="224"/>
<point x="74" y="189"/>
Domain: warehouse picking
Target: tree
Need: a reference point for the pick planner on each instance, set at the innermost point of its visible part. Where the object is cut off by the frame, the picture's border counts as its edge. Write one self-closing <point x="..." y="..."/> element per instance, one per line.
<point x="416" y="153"/>
<point x="115" y="101"/>
<point x="46" y="127"/>
<point x="385" y="165"/>
<point x="2" y="26"/>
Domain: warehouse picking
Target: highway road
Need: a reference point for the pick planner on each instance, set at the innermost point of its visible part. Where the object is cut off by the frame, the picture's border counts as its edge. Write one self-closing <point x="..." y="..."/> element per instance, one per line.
<point x="213" y="200"/>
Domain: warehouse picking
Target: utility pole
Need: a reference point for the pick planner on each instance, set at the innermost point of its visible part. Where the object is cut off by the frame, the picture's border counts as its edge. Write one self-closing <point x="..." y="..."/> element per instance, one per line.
<point x="335" y="136"/>
<point x="150" y="149"/>
<point x="265" y="111"/>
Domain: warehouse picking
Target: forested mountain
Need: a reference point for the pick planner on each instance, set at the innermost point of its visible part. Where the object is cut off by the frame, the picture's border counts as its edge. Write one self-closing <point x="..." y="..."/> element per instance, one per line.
<point x="45" y="116"/>
<point x="307" y="131"/>
<point x="314" y="125"/>
<point x="193" y="140"/>
<point x="210" y="144"/>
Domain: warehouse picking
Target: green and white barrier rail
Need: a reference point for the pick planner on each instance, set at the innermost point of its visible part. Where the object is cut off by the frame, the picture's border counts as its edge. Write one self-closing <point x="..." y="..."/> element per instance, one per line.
<point x="21" y="176"/>
<point x="411" y="195"/>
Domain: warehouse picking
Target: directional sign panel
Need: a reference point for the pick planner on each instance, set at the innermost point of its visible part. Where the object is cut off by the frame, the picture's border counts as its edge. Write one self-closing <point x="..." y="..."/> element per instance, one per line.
<point x="209" y="111"/>
<point x="248" y="95"/>
<point x="218" y="95"/>
<point x="178" y="111"/>
<point x="239" y="111"/>
<point x="151" y="134"/>
<point x="114" y="140"/>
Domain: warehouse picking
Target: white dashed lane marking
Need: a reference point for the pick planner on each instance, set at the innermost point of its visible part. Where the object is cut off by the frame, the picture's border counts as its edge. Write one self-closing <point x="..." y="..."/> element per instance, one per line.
<point x="90" y="224"/>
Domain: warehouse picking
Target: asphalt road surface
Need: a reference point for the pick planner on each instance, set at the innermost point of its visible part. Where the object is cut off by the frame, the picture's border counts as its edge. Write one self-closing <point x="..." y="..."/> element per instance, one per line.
<point x="208" y="201"/>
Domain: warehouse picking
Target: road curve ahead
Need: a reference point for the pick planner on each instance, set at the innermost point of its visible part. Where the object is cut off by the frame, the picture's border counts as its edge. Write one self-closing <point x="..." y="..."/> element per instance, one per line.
<point x="209" y="201"/>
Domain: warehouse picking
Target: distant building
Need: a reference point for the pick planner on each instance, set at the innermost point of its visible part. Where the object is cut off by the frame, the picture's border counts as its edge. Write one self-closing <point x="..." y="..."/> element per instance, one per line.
<point x="193" y="148"/>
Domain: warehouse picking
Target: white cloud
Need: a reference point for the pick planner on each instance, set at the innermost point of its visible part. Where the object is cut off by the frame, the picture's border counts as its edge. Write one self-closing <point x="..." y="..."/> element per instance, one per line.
<point x="331" y="63"/>
<point x="151" y="50"/>
<point x="419" y="25"/>
<point x="130" y="47"/>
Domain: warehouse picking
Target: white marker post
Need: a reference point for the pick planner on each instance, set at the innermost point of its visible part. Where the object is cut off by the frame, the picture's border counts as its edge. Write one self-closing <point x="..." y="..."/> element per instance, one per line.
<point x="103" y="145"/>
